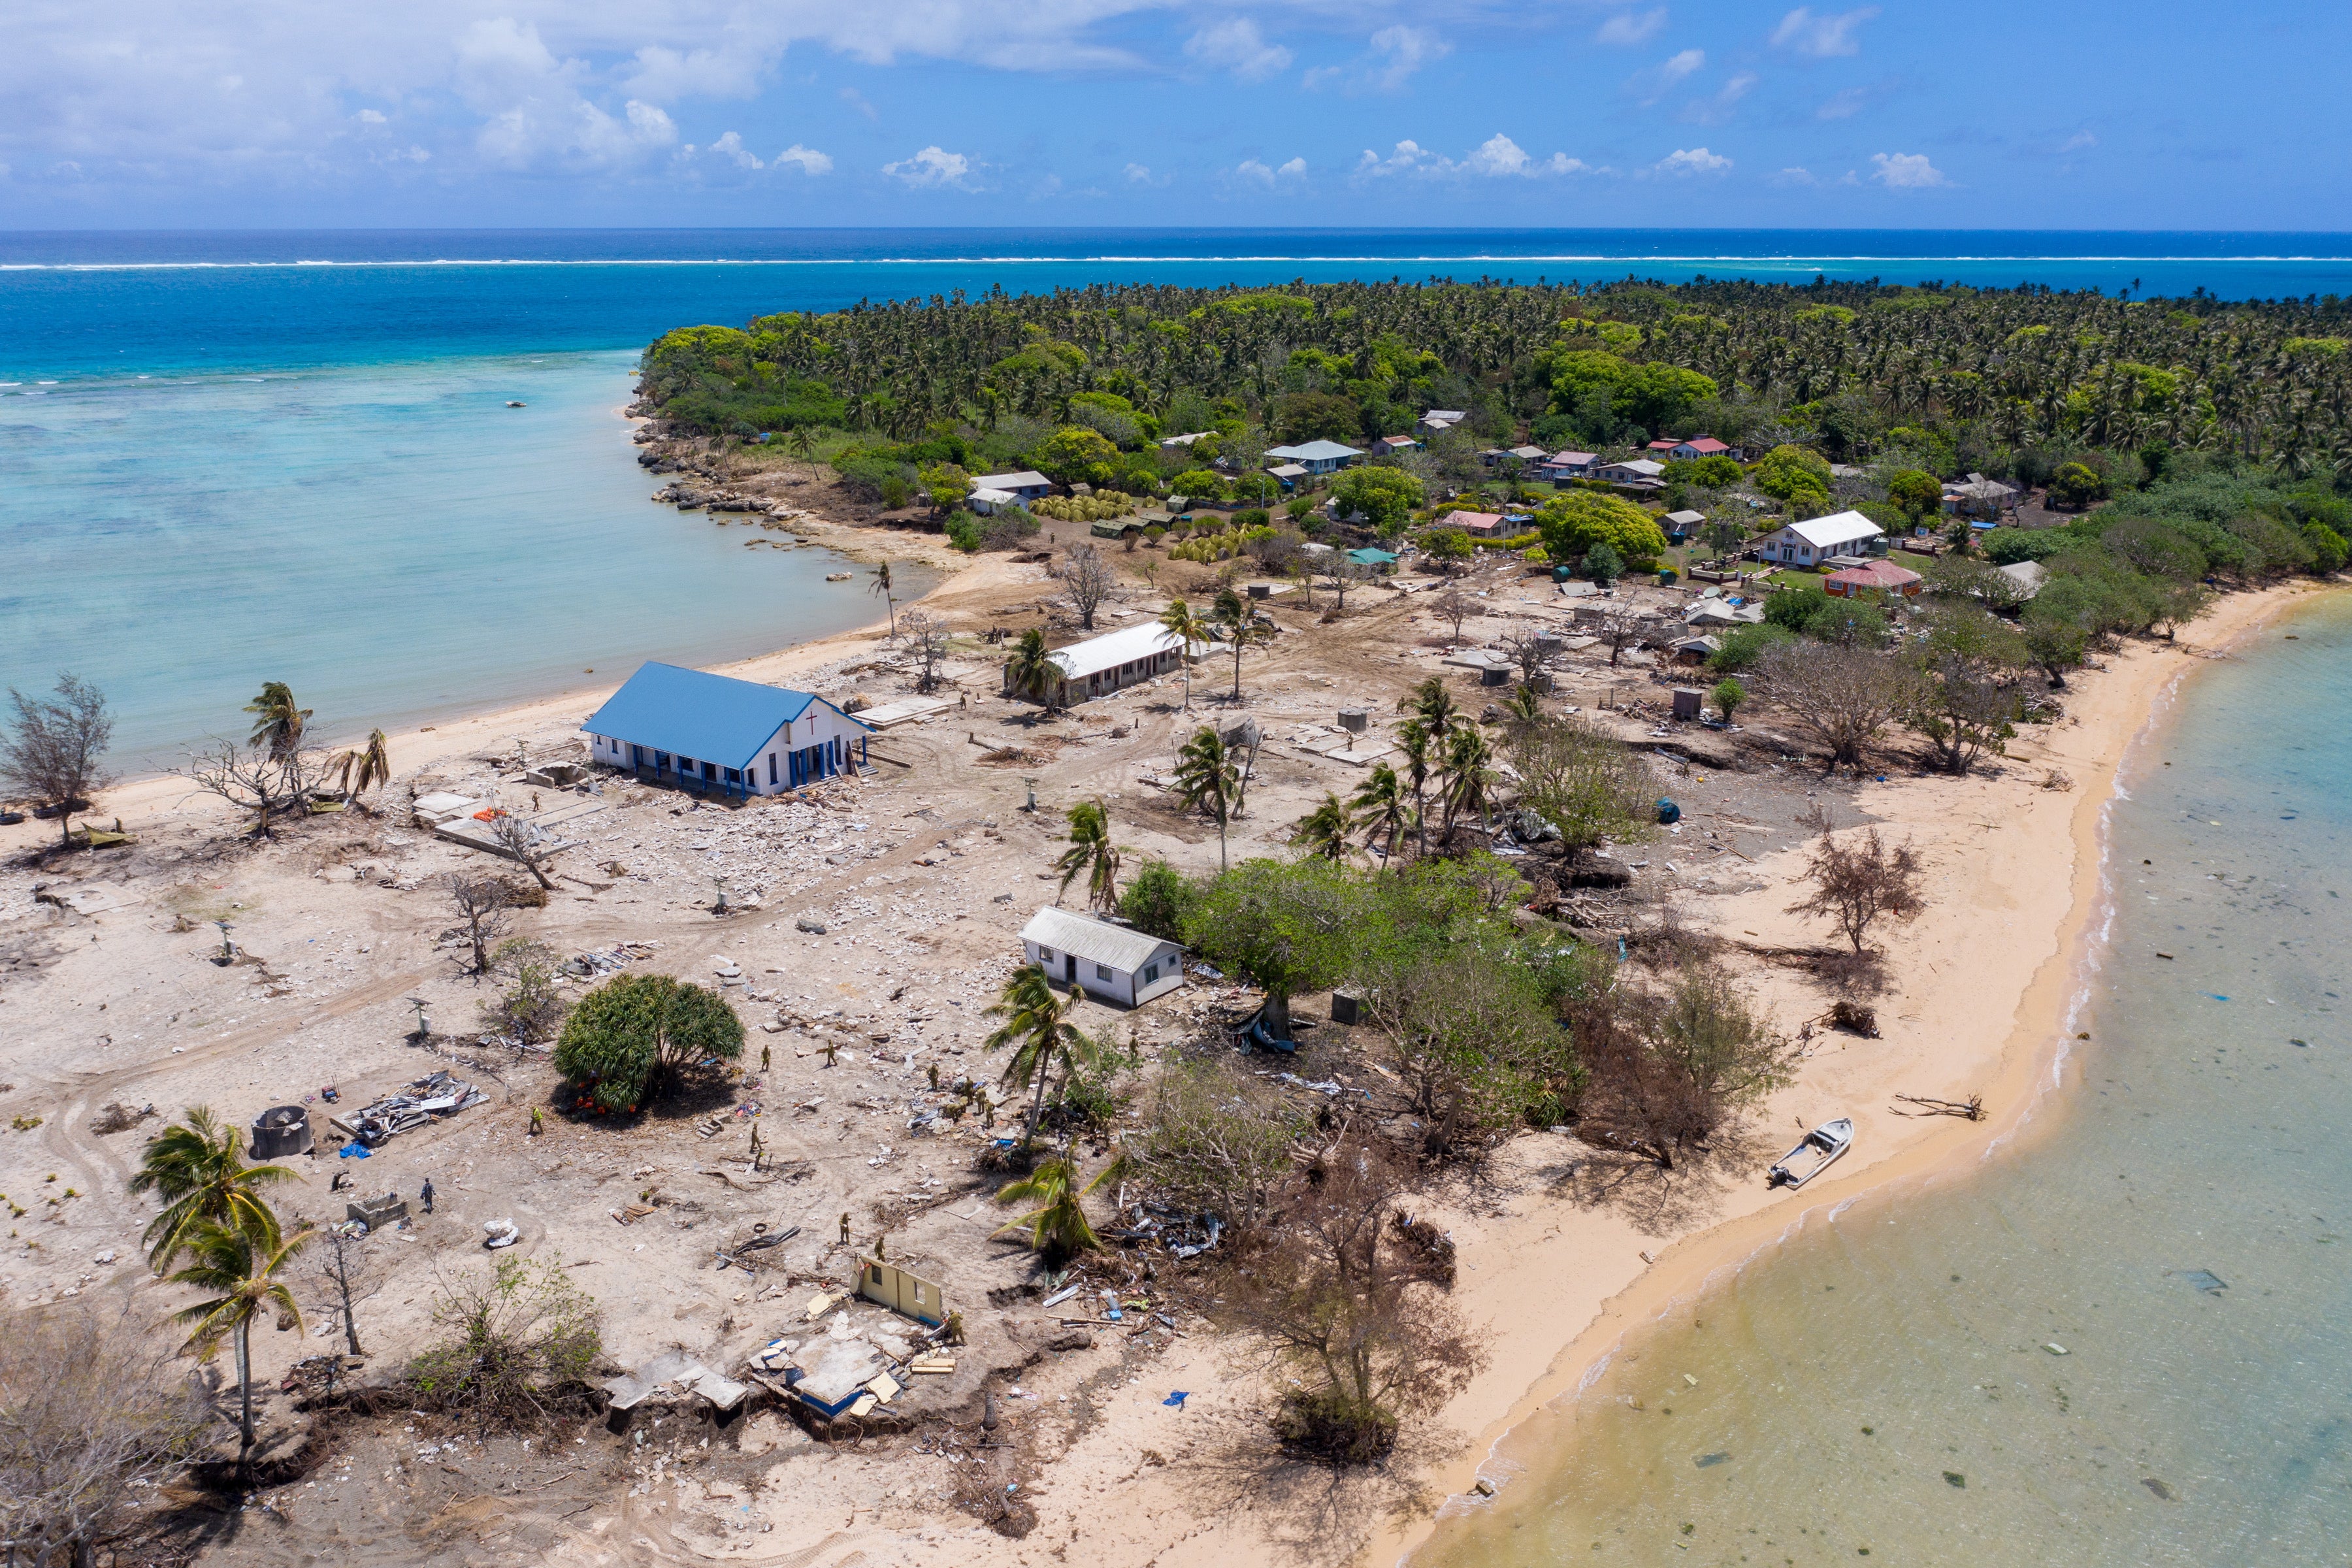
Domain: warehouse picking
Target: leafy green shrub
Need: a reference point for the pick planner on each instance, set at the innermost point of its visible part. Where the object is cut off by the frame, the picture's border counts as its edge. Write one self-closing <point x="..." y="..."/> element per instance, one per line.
<point x="634" y="1032"/>
<point x="1744" y="645"/>
<point x="523" y="1334"/>
<point x="1158" y="900"/>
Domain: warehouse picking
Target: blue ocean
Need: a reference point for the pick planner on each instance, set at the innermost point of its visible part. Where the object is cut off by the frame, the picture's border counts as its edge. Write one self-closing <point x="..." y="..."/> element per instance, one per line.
<point x="233" y="457"/>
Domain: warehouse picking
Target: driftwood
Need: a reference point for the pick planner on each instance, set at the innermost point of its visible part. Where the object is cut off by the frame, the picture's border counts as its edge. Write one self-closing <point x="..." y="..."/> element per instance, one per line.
<point x="1972" y="1109"/>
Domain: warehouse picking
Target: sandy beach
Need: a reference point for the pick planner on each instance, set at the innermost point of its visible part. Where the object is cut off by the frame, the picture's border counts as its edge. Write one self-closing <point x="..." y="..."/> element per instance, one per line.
<point x="1561" y="1259"/>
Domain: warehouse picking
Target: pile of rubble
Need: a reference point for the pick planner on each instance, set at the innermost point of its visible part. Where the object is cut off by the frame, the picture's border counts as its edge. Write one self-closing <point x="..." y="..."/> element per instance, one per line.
<point x="436" y="1095"/>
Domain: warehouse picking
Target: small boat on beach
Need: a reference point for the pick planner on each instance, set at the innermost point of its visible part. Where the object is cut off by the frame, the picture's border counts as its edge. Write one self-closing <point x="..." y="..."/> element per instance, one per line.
<point x="1817" y="1151"/>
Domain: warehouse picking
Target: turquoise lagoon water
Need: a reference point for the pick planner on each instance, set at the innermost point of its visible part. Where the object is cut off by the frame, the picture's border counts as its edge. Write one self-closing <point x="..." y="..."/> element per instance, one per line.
<point x="226" y="457"/>
<point x="2178" y="1219"/>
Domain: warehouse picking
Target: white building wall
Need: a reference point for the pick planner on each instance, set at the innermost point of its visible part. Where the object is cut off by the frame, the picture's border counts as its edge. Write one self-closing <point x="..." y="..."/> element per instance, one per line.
<point x="1120" y="987"/>
<point x="819" y="728"/>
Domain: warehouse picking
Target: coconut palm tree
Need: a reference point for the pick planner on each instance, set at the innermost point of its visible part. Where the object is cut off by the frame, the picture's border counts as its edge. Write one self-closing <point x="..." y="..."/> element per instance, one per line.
<point x="241" y="1268"/>
<point x="882" y="586"/>
<point x="193" y="1166"/>
<point x="1469" y="775"/>
<point x="1233" y="618"/>
<point x="1032" y="671"/>
<point x="363" y="768"/>
<point x="1323" y="831"/>
<point x="1381" y="809"/>
<point x="1179" y="618"/>
<point x="277" y="722"/>
<point x="1420" y="753"/>
<point x="1037" y="1025"/>
<point x="1208" y="780"/>
<point x="803" y="445"/>
<point x="1058" y="1228"/>
<point x="1091" y="853"/>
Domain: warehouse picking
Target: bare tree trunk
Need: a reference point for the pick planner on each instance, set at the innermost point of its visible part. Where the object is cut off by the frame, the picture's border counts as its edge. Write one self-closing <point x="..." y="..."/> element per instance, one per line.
<point x="244" y="1388"/>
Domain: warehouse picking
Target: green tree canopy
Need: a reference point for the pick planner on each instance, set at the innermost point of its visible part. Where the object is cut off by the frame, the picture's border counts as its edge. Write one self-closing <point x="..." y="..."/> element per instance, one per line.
<point x="633" y="1032"/>
<point x="1287" y="928"/>
<point x="1915" y="492"/>
<point x="1385" y="495"/>
<point x="1573" y="523"/>
<point x="1788" y="472"/>
<point x="1073" y="454"/>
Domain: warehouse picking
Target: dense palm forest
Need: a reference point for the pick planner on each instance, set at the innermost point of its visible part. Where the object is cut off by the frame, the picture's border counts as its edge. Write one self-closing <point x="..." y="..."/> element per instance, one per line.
<point x="2001" y="380"/>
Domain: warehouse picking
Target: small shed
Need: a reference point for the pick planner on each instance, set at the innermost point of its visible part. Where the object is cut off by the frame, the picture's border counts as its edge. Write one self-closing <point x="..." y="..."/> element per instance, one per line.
<point x="1683" y="524"/>
<point x="1378" y="560"/>
<point x="1114" y="963"/>
<point x="1477" y="524"/>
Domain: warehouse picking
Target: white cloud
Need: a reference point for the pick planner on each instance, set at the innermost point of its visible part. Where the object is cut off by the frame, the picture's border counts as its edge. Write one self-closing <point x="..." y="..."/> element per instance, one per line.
<point x="370" y="117"/>
<point x="2081" y="141"/>
<point x="662" y="72"/>
<point x="932" y="167"/>
<point x="1138" y="175"/>
<point x="1684" y="162"/>
<point x="1843" y="104"/>
<point x="730" y="146"/>
<point x="1906" y="172"/>
<point x="1821" y="37"/>
<point x="856" y="100"/>
<point x="1237" y="46"/>
<point x="810" y="160"/>
<point x="1649" y="86"/>
<point x="1715" y="111"/>
<point x="1498" y="157"/>
<point x="1632" y="26"/>
<point x="1389" y="61"/>
<point x="1259" y="173"/>
<point x="1795" y="177"/>
<point x="534" y="112"/>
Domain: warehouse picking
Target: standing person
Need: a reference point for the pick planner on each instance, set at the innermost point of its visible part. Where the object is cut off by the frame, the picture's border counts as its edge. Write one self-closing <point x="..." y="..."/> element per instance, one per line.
<point x="428" y="1194"/>
<point x="763" y="1058"/>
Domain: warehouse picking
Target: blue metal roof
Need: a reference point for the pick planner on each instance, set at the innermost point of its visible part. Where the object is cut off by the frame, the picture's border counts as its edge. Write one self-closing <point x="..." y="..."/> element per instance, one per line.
<point x="693" y="713"/>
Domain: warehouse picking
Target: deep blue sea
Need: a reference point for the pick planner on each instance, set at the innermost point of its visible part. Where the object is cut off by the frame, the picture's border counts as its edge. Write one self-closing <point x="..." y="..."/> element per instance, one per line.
<point x="226" y="457"/>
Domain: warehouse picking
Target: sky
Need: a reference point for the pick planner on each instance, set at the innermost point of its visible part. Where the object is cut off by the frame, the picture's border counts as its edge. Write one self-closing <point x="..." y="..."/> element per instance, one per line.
<point x="525" y="114"/>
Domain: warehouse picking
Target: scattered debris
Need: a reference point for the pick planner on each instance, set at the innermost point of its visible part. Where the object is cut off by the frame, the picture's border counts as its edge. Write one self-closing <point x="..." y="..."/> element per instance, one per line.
<point x="434" y="1095"/>
<point x="1970" y="1109"/>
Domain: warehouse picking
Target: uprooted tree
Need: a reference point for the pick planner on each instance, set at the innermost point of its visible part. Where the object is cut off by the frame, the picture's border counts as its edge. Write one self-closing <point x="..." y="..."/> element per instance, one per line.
<point x="627" y="1038"/>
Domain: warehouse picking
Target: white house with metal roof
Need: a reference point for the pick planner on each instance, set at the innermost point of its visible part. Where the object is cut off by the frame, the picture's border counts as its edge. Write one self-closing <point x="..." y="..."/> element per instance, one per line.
<point x="704" y="731"/>
<point x="1819" y="538"/>
<point x="1117" y="963"/>
<point x="990" y="491"/>
<point x="1316" y="456"/>
<point x="1102" y="665"/>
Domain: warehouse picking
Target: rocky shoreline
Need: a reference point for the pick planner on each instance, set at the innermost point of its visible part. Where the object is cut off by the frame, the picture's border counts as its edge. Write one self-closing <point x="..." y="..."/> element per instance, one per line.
<point x="731" y="483"/>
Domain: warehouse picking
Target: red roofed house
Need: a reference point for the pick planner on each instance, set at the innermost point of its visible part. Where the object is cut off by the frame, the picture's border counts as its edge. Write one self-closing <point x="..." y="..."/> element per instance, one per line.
<point x="1477" y="524"/>
<point x="1696" y="447"/>
<point x="1884" y="577"/>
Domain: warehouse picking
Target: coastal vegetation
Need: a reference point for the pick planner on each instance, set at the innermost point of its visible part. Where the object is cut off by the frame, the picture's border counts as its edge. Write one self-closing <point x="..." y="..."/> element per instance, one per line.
<point x="2023" y="382"/>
